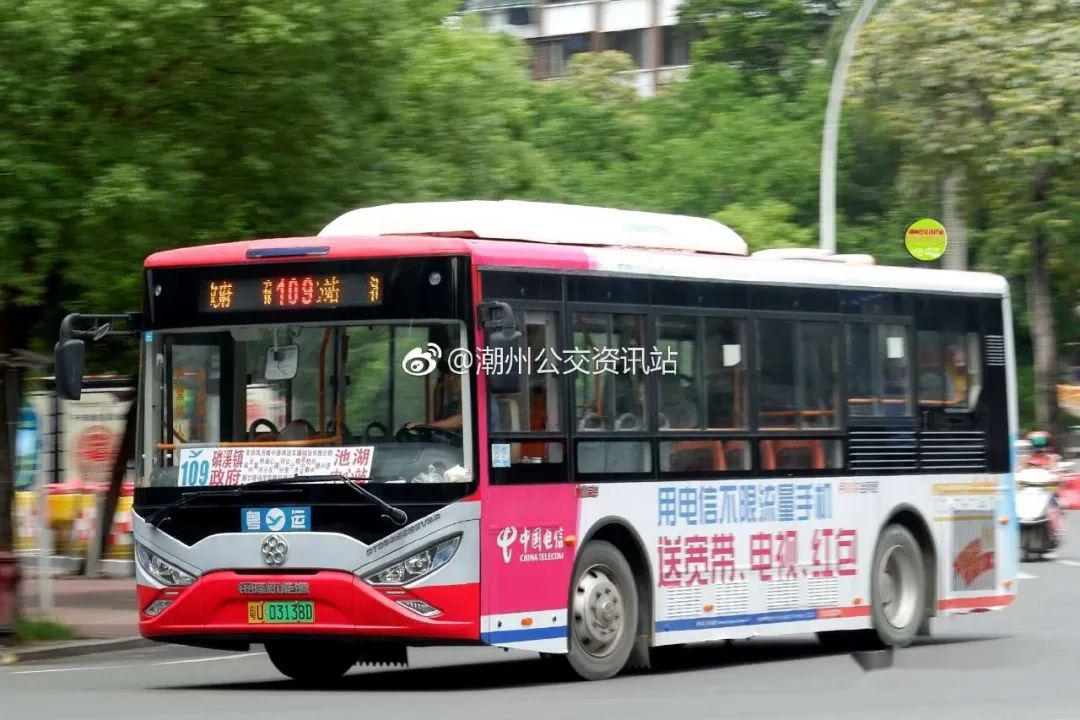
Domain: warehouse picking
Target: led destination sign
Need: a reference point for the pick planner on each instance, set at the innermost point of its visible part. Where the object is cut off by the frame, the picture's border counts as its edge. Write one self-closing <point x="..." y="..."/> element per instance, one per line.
<point x="291" y="292"/>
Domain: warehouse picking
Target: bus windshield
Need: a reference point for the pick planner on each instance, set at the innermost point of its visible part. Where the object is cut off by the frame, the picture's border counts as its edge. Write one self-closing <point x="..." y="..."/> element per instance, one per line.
<point x="374" y="402"/>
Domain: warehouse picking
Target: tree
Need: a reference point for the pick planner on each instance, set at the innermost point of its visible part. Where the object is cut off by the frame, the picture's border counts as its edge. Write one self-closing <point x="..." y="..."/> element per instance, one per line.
<point x="990" y="87"/>
<point x="131" y="126"/>
<point x="773" y="42"/>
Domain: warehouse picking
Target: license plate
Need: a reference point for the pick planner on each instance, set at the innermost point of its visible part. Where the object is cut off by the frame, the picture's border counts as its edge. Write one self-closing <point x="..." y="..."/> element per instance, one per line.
<point x="287" y="611"/>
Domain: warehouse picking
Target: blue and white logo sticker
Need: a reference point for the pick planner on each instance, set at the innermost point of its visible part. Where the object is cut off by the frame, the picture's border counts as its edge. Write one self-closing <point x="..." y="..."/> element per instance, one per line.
<point x="275" y="519"/>
<point x="500" y="455"/>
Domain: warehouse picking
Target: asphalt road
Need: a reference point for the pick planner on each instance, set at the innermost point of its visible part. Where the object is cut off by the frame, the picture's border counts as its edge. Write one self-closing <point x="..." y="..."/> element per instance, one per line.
<point x="1023" y="661"/>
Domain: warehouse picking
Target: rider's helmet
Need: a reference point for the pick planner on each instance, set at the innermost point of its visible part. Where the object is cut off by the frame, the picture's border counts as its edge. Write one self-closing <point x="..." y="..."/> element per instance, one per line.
<point x="1040" y="440"/>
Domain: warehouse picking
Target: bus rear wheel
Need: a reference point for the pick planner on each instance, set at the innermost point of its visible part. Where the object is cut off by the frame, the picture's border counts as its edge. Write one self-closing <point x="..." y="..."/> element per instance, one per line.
<point x="311" y="662"/>
<point x="603" y="612"/>
<point x="897" y="596"/>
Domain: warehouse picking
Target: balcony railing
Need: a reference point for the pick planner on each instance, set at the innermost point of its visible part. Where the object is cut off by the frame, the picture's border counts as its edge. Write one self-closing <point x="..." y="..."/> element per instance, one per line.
<point x="478" y="5"/>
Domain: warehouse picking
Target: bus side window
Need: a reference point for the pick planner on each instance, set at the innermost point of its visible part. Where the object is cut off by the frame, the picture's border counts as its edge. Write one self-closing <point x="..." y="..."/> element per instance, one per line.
<point x="777" y="374"/>
<point x="606" y="397"/>
<point x="798" y="371"/>
<point x="680" y="399"/>
<point x="725" y="374"/>
<point x="877" y="370"/>
<point x="950" y="369"/>
<point x="538" y="407"/>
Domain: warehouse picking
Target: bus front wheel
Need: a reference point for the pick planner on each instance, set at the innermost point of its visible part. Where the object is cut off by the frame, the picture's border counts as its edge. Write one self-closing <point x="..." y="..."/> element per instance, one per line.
<point x="311" y="662"/>
<point x="603" y="612"/>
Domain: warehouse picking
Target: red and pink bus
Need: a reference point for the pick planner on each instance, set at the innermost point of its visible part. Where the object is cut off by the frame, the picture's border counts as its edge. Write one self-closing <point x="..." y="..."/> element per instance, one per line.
<point x="579" y="431"/>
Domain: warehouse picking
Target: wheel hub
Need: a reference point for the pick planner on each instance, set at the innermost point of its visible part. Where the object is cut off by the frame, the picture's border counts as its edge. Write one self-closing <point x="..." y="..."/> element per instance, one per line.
<point x="898" y="586"/>
<point x="599" y="620"/>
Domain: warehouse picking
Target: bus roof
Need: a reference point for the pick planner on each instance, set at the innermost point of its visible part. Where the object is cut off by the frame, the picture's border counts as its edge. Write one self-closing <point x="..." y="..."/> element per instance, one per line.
<point x="548" y="236"/>
<point x="542" y="222"/>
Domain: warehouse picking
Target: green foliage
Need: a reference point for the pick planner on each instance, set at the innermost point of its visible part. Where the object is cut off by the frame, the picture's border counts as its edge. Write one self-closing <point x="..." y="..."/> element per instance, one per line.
<point x="29" y="630"/>
<point x="131" y="126"/>
<point x="135" y="125"/>
<point x="991" y="87"/>
<point x="767" y="225"/>
<point x="773" y="42"/>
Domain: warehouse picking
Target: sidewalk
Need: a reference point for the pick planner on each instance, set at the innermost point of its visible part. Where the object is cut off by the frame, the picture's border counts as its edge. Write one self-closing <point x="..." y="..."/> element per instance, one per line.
<point x="100" y="609"/>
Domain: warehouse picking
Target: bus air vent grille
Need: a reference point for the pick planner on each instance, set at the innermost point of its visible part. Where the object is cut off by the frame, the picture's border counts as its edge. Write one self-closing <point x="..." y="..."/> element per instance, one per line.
<point x="995" y="351"/>
<point x="952" y="450"/>
<point x="883" y="449"/>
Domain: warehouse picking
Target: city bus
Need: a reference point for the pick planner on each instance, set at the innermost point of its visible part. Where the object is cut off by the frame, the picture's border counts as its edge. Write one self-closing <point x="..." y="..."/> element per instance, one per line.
<point x="583" y="432"/>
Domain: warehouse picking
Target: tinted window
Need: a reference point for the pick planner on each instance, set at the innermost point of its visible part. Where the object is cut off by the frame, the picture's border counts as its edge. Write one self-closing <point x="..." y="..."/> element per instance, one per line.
<point x="798" y="374"/>
<point x="538" y="407"/>
<point x="607" y="364"/>
<point x="877" y="370"/>
<point x="613" y="457"/>
<point x="704" y="455"/>
<point x="950" y="369"/>
<point x="818" y="370"/>
<point x="777" y="376"/>
<point x="801" y="454"/>
<point x="725" y="373"/>
<point x="681" y="404"/>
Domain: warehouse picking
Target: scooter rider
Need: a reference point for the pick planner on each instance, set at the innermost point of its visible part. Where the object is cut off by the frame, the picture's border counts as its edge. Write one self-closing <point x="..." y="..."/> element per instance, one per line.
<point x="1042" y="452"/>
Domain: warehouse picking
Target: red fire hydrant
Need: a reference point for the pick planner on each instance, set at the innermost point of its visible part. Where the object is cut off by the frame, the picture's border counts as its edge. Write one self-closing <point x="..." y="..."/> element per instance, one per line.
<point x="9" y="586"/>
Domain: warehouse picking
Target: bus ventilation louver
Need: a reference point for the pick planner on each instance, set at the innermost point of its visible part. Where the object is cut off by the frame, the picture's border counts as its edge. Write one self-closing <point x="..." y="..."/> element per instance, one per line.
<point x="952" y="450"/>
<point x="995" y="351"/>
<point x="883" y="450"/>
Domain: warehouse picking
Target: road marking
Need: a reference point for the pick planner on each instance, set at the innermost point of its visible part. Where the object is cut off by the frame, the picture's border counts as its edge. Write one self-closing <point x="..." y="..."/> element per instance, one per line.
<point x="1025" y="576"/>
<point x="69" y="669"/>
<point x="116" y="667"/>
<point x="1070" y="563"/>
<point x="240" y="656"/>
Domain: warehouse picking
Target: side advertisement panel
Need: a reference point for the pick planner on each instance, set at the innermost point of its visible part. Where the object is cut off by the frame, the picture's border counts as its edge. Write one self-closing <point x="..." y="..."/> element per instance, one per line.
<point x="734" y="558"/>
<point x="527" y="557"/>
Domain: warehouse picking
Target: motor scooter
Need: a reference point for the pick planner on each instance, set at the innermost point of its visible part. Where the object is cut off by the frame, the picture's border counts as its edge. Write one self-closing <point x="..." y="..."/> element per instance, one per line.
<point x="1037" y="511"/>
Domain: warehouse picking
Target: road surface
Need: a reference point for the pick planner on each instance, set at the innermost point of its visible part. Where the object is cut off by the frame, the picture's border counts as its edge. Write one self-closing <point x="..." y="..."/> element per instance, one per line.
<point x="1023" y="661"/>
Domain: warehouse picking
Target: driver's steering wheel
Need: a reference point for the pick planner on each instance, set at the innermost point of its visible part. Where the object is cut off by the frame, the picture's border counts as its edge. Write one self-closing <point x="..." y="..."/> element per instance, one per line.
<point x="425" y="433"/>
<point x="262" y="421"/>
<point x="384" y="432"/>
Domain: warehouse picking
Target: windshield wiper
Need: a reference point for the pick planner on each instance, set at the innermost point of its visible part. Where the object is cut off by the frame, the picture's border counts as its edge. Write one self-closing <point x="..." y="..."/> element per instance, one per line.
<point x="391" y="512"/>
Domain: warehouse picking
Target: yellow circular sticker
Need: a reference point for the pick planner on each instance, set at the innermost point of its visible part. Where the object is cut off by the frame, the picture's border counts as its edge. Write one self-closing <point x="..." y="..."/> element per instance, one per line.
<point x="926" y="239"/>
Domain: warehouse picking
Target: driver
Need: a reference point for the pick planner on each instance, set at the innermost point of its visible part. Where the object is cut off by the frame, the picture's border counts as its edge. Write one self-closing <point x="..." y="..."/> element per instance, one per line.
<point x="447" y="402"/>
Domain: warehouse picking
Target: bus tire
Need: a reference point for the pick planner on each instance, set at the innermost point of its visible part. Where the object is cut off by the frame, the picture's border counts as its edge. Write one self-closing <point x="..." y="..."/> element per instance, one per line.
<point x="897" y="587"/>
<point x="603" y="612"/>
<point x="311" y="662"/>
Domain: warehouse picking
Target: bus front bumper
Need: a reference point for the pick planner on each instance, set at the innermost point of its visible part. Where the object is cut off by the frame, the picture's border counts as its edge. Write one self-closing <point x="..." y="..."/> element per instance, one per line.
<point x="220" y="605"/>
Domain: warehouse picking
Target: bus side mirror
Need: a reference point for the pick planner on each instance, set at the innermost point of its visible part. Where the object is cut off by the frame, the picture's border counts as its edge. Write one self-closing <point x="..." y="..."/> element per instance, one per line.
<point x="70" y="358"/>
<point x="504" y="340"/>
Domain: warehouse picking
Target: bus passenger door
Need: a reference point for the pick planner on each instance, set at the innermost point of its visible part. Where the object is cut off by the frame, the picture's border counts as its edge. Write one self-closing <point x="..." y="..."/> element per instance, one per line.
<point x="530" y="513"/>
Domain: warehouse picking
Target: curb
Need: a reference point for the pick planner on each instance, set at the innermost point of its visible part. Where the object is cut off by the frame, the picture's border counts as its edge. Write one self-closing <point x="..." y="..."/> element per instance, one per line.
<point x="12" y="656"/>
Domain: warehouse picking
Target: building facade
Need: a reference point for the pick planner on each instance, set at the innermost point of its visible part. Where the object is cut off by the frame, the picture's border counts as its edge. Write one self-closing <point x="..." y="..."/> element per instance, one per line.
<point x="556" y="30"/>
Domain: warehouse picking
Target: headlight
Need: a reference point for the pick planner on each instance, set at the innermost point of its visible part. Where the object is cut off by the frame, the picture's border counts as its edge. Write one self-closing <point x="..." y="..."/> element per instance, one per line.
<point x="164" y="572"/>
<point x="420" y="563"/>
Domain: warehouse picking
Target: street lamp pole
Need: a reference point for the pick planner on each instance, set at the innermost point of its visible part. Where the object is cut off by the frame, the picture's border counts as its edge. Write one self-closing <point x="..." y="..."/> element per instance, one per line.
<point x="827" y="181"/>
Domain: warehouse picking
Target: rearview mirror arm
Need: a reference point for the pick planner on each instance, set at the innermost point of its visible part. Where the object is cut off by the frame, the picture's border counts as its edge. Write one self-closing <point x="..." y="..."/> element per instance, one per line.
<point x="101" y="326"/>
